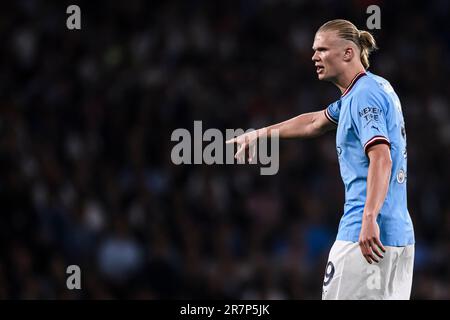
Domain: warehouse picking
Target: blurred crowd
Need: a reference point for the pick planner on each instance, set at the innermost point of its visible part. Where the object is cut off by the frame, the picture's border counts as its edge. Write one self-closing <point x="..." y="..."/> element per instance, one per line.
<point x="86" y="119"/>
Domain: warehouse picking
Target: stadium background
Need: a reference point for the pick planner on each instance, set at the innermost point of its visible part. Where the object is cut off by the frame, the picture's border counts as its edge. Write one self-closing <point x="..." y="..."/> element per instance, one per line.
<point x="85" y="124"/>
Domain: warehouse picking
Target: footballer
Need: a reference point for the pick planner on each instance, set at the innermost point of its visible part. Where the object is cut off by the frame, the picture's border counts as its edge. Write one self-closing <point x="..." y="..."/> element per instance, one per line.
<point x="373" y="254"/>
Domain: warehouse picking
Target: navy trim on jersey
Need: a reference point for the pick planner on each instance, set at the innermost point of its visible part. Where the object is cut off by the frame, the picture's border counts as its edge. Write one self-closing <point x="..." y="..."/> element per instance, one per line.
<point x="352" y="83"/>
<point x="376" y="140"/>
<point x="329" y="117"/>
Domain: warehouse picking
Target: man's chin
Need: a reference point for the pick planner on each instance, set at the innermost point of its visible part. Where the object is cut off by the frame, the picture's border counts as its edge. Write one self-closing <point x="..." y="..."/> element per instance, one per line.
<point x="323" y="77"/>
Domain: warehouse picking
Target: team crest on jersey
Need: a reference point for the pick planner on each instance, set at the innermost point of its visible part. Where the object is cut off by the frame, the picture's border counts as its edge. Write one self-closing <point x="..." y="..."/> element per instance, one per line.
<point x="401" y="176"/>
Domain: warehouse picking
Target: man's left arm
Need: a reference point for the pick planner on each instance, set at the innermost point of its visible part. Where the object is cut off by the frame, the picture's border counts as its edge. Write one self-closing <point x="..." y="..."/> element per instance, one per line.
<point x="369" y="114"/>
<point x="378" y="178"/>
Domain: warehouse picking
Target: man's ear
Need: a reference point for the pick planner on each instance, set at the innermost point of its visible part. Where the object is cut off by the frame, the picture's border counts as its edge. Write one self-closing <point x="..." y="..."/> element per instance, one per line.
<point x="348" y="54"/>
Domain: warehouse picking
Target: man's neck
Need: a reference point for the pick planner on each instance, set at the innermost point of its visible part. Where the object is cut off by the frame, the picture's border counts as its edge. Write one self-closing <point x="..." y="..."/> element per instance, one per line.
<point x="345" y="79"/>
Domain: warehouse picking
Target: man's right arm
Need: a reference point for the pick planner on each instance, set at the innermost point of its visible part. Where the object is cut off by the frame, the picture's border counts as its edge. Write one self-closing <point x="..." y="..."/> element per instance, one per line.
<point x="307" y="125"/>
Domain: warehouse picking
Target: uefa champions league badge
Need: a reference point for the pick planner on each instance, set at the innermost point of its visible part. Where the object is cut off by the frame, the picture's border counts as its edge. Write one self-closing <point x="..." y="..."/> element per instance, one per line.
<point x="401" y="176"/>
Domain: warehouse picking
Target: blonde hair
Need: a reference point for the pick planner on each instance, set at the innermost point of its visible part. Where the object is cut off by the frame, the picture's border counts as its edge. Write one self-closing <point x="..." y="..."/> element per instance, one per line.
<point x="348" y="31"/>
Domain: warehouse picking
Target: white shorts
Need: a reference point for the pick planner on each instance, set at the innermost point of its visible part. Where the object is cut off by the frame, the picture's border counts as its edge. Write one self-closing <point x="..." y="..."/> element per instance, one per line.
<point x="348" y="275"/>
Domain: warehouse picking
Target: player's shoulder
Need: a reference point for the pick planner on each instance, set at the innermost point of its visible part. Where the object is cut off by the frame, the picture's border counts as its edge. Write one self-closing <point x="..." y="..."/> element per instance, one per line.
<point x="372" y="87"/>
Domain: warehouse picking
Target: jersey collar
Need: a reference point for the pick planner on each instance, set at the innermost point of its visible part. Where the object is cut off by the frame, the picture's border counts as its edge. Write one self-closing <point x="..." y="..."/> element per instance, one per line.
<point x="352" y="83"/>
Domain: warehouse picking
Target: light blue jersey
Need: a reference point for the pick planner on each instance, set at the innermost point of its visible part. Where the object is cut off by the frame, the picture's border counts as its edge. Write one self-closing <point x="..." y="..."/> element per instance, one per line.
<point x="369" y="112"/>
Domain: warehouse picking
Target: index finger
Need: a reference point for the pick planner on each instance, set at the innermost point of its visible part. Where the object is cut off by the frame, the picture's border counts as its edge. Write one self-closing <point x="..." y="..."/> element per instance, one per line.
<point x="365" y="252"/>
<point x="232" y="140"/>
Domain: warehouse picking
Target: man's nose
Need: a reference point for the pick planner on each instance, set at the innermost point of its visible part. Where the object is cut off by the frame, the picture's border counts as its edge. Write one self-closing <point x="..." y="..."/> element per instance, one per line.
<point x="314" y="57"/>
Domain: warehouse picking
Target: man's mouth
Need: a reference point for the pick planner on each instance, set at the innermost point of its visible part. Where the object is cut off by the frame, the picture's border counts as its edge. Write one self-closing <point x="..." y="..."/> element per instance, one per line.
<point x="319" y="69"/>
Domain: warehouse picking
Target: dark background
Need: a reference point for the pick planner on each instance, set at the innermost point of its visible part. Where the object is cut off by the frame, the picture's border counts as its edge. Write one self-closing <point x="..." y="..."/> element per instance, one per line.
<point x="85" y="124"/>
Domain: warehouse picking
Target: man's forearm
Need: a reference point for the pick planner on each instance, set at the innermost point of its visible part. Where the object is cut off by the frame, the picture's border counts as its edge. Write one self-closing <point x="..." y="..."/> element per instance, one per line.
<point x="377" y="185"/>
<point x="302" y="126"/>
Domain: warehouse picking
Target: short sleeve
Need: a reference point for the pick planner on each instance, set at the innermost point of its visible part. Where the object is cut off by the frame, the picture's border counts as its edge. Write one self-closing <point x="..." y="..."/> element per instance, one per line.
<point x="368" y="113"/>
<point x="332" y="111"/>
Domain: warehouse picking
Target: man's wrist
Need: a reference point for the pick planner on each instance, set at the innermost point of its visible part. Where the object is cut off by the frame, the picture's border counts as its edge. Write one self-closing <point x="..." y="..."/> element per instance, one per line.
<point x="263" y="132"/>
<point x="370" y="216"/>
